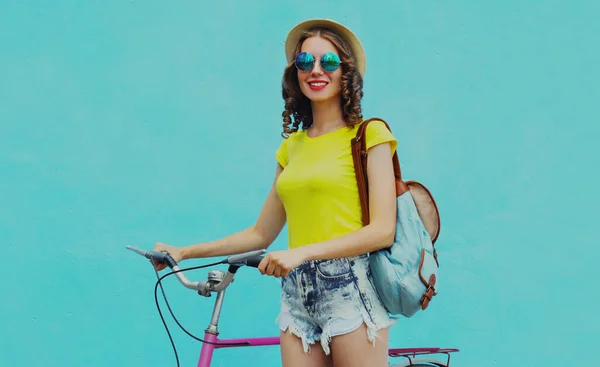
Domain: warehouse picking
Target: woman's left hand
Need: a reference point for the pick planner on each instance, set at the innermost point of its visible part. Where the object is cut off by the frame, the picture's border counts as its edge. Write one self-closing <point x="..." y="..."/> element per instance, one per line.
<point x="280" y="263"/>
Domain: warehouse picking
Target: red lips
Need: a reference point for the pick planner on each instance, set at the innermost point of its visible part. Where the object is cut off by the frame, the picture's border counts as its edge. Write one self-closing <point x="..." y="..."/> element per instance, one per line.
<point x="317" y="84"/>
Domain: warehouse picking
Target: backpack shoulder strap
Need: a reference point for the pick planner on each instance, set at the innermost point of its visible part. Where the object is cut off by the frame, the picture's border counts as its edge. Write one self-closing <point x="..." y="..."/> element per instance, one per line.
<point x="359" y="156"/>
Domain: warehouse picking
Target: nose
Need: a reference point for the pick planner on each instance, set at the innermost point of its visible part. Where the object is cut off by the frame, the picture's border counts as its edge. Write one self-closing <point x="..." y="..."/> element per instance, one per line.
<point x="316" y="70"/>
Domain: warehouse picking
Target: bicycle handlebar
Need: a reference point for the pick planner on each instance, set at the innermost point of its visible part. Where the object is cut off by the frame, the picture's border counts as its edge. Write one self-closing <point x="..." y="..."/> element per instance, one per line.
<point x="216" y="282"/>
<point x="252" y="258"/>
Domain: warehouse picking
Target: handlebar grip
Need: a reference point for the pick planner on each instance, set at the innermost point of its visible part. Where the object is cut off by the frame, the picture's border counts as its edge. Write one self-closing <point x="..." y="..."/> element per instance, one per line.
<point x="162" y="257"/>
<point x="254" y="261"/>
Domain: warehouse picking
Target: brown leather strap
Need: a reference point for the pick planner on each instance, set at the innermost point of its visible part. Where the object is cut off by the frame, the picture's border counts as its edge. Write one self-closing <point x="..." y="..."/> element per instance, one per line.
<point x="359" y="155"/>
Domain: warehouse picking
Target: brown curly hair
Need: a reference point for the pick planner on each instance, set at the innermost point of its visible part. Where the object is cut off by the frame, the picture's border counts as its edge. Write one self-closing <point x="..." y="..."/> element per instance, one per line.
<point x="297" y="105"/>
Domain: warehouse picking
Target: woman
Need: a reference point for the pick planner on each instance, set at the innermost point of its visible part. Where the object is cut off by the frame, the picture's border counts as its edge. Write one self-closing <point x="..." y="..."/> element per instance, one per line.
<point x="330" y="313"/>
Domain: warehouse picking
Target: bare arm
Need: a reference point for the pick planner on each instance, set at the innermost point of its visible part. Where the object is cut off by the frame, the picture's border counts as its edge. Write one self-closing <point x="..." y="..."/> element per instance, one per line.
<point x="261" y="235"/>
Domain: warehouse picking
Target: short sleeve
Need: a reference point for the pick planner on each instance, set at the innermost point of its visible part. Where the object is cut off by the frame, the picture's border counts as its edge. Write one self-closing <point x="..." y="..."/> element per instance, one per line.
<point x="282" y="153"/>
<point x="378" y="133"/>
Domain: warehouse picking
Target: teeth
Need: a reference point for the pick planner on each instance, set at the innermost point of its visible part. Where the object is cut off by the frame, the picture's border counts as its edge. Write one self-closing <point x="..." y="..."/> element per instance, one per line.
<point x="318" y="84"/>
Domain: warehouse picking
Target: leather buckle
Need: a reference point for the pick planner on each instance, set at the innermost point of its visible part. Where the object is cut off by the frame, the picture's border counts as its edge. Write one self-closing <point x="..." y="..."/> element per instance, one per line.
<point x="429" y="293"/>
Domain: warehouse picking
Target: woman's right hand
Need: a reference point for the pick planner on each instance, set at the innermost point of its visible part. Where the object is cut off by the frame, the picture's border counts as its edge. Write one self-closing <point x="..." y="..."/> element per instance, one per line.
<point x="175" y="252"/>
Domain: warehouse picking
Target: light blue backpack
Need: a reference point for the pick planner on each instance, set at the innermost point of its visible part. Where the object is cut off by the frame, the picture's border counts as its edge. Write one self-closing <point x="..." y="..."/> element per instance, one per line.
<point x="405" y="275"/>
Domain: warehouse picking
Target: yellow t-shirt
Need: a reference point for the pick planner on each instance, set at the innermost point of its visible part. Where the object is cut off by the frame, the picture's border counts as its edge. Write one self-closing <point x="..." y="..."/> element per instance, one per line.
<point x="318" y="184"/>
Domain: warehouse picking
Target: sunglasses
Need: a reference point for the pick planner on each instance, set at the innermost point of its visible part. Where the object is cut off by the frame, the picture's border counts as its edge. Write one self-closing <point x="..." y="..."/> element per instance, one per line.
<point x="329" y="62"/>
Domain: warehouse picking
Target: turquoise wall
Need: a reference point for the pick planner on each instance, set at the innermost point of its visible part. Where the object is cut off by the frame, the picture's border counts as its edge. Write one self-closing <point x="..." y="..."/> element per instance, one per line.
<point x="131" y="122"/>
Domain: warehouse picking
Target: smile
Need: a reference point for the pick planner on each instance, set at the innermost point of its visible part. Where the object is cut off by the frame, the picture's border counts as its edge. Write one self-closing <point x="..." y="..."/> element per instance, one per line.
<point x="317" y="85"/>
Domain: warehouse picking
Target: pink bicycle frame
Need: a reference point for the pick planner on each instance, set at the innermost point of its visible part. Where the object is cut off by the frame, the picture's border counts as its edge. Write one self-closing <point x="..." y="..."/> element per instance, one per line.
<point x="208" y="348"/>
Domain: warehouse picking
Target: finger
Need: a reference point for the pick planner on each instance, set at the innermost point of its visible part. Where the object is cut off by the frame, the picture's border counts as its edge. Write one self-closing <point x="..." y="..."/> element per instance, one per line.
<point x="271" y="268"/>
<point x="158" y="266"/>
<point x="277" y="272"/>
<point x="263" y="265"/>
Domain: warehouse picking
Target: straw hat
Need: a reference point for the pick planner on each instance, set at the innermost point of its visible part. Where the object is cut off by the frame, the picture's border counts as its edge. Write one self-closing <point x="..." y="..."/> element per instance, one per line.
<point x="296" y="33"/>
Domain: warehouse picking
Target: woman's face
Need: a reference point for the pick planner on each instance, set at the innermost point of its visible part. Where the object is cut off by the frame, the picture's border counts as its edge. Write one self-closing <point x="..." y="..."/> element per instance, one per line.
<point x="318" y="84"/>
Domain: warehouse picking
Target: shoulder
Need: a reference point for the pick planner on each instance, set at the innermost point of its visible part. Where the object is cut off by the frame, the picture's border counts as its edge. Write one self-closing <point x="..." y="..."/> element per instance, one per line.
<point x="292" y="138"/>
<point x="282" y="153"/>
<point x="377" y="132"/>
<point x="296" y="135"/>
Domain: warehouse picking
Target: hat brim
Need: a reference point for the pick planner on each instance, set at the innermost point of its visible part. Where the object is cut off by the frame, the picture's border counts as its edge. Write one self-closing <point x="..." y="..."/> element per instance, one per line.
<point x="296" y="33"/>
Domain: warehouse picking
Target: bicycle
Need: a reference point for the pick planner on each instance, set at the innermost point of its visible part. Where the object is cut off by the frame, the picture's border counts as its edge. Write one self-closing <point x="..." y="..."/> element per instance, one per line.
<point x="218" y="281"/>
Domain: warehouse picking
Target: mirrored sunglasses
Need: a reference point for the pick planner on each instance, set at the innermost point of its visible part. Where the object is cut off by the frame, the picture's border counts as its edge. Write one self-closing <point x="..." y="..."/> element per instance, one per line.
<point x="306" y="61"/>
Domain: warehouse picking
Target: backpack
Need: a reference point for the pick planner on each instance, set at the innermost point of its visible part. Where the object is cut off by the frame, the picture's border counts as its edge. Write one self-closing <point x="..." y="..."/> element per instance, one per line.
<point x="405" y="275"/>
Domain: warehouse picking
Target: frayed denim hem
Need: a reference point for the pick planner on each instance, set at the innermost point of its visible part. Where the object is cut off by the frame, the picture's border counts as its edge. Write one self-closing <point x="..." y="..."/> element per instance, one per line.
<point x="289" y="326"/>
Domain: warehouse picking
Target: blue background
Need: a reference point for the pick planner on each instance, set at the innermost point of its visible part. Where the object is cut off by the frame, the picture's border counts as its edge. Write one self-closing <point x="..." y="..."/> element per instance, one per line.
<point x="131" y="122"/>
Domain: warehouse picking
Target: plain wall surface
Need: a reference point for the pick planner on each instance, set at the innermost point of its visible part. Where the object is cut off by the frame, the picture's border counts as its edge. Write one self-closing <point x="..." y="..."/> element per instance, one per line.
<point x="131" y="122"/>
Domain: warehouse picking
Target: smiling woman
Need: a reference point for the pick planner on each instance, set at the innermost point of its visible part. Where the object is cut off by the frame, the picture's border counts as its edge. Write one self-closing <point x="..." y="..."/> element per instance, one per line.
<point x="324" y="67"/>
<point x="330" y="312"/>
<point x="328" y="296"/>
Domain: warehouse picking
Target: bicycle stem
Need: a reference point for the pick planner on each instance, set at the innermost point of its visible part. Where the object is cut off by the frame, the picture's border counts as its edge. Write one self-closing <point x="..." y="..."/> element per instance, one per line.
<point x="213" y="327"/>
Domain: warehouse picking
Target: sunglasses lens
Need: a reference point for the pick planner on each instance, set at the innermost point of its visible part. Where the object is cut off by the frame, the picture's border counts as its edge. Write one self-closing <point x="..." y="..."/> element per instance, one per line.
<point x="304" y="61"/>
<point x="330" y="61"/>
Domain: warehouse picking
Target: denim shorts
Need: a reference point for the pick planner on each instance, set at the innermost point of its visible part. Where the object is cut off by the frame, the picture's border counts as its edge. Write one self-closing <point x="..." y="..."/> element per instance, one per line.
<point x="325" y="298"/>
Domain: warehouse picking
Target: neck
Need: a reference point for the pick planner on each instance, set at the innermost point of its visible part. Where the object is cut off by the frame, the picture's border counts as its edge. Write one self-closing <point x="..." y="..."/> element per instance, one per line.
<point x="327" y="115"/>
